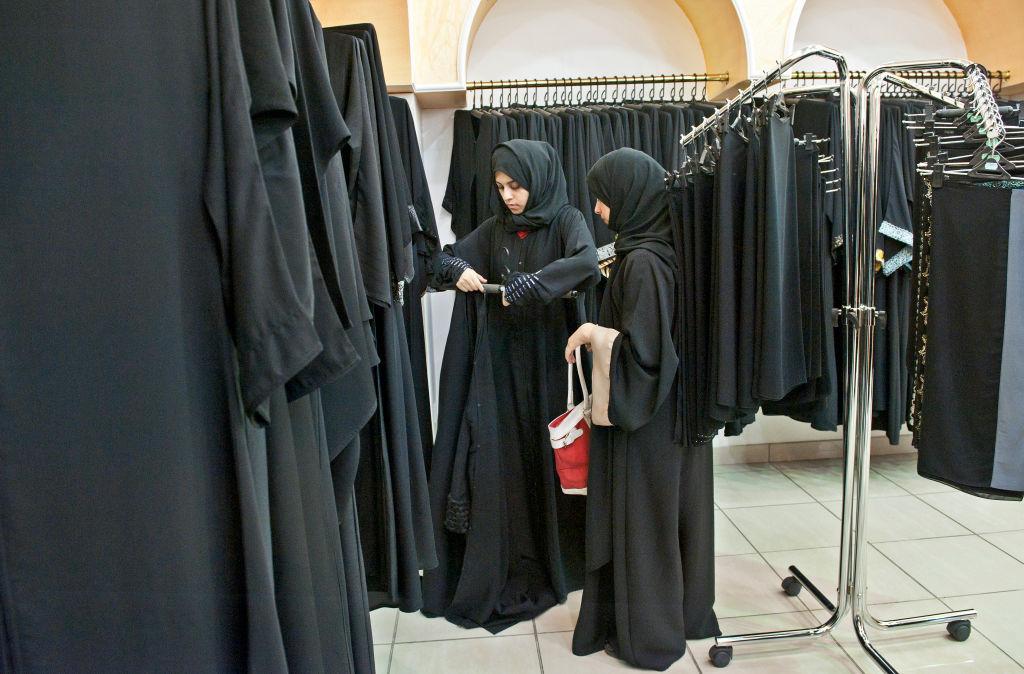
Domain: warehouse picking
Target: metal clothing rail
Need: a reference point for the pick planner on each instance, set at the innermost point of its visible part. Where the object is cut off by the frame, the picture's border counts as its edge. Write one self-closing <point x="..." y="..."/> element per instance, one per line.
<point x="997" y="76"/>
<point x="861" y="319"/>
<point x="612" y="81"/>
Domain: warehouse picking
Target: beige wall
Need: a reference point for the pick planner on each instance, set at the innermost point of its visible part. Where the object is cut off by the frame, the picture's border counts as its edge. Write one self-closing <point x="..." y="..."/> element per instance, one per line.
<point x="993" y="31"/>
<point x="390" y="18"/>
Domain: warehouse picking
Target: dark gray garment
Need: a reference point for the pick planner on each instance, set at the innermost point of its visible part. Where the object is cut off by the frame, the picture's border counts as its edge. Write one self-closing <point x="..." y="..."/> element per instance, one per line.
<point x="131" y="259"/>
<point x="391" y="485"/>
<point x="1008" y="472"/>
<point x="393" y="179"/>
<point x="425" y="241"/>
<point x="779" y="363"/>
<point x="349" y="66"/>
<point x="459" y="197"/>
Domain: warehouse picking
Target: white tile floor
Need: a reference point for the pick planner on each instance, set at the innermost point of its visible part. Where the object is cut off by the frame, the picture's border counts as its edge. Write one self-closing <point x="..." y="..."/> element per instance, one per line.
<point x="932" y="549"/>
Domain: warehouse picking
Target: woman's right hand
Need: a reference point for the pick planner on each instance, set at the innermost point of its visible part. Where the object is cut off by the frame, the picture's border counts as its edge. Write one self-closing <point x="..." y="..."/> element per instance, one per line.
<point x="471" y="282"/>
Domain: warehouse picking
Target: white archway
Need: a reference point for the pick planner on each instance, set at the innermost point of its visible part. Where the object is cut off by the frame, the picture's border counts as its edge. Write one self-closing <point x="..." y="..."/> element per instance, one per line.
<point x="719" y="31"/>
<point x="872" y="32"/>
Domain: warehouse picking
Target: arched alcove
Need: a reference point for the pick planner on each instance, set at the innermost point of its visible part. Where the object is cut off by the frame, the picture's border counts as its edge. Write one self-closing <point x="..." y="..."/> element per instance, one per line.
<point x="877" y="31"/>
<point x="719" y="32"/>
<point x="579" y="37"/>
<point x="872" y="32"/>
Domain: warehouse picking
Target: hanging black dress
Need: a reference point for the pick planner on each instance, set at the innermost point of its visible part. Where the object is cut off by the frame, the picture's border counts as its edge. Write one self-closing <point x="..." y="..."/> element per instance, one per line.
<point x="519" y="549"/>
<point x="650" y="516"/>
<point x="143" y="288"/>
<point x="391" y="486"/>
<point x="425" y="244"/>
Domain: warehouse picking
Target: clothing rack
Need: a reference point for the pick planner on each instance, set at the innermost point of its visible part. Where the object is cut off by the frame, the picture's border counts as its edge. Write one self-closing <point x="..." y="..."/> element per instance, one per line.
<point x="614" y="80"/>
<point x="864" y="317"/>
<point x="995" y="77"/>
<point x="861" y="318"/>
<point x="595" y="85"/>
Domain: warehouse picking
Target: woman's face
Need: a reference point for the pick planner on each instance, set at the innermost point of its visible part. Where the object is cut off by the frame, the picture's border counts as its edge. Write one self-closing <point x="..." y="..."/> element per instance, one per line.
<point x="603" y="211"/>
<point x="512" y="193"/>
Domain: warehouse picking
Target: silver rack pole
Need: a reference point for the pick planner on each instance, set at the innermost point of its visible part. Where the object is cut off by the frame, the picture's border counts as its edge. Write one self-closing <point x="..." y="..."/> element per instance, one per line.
<point x="721" y="652"/>
<point x="865" y="316"/>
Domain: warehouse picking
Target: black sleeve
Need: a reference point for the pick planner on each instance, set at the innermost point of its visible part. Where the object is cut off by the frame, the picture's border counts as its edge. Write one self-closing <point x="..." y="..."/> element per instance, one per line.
<point x="472" y="251"/>
<point x="644" y="363"/>
<point x="273" y="335"/>
<point x="576" y="270"/>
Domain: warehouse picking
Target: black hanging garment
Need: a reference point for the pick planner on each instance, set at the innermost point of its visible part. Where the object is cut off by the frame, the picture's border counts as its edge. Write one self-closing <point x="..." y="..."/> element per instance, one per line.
<point x="650" y="514"/>
<point x="142" y="330"/>
<point x="892" y="279"/>
<point x="779" y="361"/>
<point x="725" y="287"/>
<point x="391" y="486"/>
<point x="510" y="543"/>
<point x="320" y="590"/>
<point x="459" y="194"/>
<point x="425" y="244"/>
<point x="816" y="401"/>
<point x="969" y="340"/>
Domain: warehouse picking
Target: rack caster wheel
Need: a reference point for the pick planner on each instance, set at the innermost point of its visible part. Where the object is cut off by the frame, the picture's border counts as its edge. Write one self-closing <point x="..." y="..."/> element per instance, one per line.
<point x="960" y="630"/>
<point x="720" y="656"/>
<point x="791" y="586"/>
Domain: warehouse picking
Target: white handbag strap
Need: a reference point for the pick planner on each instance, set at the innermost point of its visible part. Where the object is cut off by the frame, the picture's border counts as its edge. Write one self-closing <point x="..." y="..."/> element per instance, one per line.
<point x="570" y="398"/>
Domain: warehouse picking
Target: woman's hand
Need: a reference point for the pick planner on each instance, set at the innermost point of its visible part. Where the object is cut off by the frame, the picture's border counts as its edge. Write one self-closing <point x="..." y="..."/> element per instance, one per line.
<point x="471" y="282"/>
<point x="582" y="337"/>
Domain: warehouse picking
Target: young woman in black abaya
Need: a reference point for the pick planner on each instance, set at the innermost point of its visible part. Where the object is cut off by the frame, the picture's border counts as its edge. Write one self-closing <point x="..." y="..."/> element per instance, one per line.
<point x="650" y="524"/>
<point x="509" y="542"/>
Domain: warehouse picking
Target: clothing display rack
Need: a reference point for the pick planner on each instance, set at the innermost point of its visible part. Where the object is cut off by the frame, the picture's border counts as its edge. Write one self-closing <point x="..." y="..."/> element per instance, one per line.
<point x="597" y="87"/>
<point x="995" y="77"/>
<point x="864" y="318"/>
<point x="861" y="319"/>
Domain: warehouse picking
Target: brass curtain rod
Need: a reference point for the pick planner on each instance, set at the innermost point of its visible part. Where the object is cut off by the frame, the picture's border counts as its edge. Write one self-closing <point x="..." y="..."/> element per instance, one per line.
<point x="1000" y="75"/>
<point x="612" y="81"/>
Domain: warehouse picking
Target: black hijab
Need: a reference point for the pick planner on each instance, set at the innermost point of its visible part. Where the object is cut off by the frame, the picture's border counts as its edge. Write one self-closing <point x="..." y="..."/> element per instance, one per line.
<point x="632" y="185"/>
<point x="536" y="167"/>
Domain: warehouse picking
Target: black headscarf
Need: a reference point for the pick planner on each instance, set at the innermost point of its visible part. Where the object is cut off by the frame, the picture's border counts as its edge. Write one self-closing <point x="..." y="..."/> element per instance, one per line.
<point x="632" y="185"/>
<point x="536" y="167"/>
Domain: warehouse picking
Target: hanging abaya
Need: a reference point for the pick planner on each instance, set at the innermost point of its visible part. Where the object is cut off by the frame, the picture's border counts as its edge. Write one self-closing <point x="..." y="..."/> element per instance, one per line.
<point x="512" y="544"/>
<point x="650" y="517"/>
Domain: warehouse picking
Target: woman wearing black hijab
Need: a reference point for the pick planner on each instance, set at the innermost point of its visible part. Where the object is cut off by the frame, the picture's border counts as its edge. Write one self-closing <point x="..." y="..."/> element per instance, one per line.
<point x="509" y="542"/>
<point x="650" y="520"/>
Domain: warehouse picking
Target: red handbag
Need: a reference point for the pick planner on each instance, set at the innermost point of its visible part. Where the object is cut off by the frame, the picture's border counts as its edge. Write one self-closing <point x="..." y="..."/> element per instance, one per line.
<point x="570" y="437"/>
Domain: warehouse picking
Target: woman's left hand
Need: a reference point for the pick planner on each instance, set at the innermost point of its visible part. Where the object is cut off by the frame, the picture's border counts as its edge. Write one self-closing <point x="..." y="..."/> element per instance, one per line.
<point x="582" y="337"/>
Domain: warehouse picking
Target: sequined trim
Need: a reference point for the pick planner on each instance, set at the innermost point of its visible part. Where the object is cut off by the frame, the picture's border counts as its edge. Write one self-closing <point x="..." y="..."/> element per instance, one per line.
<point x="923" y="263"/>
<point x="900" y="259"/>
<point x="898" y="233"/>
<point x="518" y="285"/>
<point x="455" y="263"/>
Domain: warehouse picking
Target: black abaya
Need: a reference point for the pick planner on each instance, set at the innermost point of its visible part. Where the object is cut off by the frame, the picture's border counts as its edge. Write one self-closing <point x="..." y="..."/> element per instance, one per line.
<point x="650" y="515"/>
<point x="523" y="549"/>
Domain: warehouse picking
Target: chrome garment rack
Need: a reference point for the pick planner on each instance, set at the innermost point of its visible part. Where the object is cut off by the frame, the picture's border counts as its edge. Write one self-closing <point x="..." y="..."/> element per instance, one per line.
<point x="864" y="317"/>
<point x="861" y="319"/>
